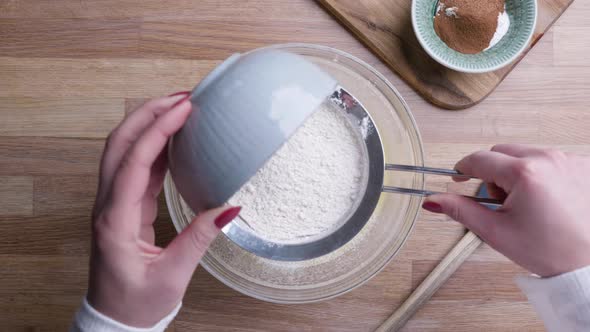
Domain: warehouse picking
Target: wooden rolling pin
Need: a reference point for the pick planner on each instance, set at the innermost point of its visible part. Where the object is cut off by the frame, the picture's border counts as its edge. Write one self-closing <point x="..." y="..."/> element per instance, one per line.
<point x="463" y="249"/>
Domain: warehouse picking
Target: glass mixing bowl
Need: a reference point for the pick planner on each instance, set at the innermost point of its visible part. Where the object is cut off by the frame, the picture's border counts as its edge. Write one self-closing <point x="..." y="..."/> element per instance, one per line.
<point x="380" y="239"/>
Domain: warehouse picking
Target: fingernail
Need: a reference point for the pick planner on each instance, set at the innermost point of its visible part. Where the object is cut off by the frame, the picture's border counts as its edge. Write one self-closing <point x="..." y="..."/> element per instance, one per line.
<point x="180" y="93"/>
<point x="432" y="207"/>
<point x="227" y="216"/>
<point x="182" y="100"/>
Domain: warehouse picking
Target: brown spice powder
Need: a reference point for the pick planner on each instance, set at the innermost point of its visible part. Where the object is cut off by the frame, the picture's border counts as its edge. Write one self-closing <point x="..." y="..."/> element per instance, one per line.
<point x="470" y="25"/>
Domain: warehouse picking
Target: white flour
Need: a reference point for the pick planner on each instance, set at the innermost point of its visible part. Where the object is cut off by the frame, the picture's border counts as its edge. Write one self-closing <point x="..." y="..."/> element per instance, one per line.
<point x="501" y="30"/>
<point x="306" y="188"/>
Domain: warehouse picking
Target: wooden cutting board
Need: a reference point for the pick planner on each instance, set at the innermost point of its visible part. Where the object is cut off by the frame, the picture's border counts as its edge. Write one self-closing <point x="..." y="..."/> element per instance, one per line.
<point x="385" y="26"/>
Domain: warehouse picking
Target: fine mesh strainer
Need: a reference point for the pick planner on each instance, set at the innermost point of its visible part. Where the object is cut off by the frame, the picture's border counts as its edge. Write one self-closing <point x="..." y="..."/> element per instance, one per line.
<point x="353" y="220"/>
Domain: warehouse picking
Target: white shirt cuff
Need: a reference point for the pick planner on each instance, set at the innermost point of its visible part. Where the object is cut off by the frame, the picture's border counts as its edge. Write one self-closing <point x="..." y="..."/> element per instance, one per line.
<point x="562" y="302"/>
<point x="88" y="319"/>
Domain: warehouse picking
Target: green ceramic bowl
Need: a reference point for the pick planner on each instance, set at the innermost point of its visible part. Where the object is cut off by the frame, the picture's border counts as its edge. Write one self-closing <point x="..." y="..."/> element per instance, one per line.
<point x="523" y="18"/>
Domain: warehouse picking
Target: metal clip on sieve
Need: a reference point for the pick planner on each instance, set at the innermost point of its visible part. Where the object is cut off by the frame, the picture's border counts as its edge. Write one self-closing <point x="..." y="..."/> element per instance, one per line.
<point x="435" y="171"/>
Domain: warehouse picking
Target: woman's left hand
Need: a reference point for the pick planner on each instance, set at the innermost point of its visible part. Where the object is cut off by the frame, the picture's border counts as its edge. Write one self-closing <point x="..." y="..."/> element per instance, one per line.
<point x="132" y="280"/>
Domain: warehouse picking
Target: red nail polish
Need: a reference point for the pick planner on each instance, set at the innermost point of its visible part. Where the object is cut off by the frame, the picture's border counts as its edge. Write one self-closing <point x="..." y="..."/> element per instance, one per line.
<point x="227" y="216"/>
<point x="432" y="207"/>
<point x="180" y="93"/>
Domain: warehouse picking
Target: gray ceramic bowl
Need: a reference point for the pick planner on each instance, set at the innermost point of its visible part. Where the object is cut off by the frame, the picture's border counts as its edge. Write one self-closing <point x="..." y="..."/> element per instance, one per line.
<point x="244" y="111"/>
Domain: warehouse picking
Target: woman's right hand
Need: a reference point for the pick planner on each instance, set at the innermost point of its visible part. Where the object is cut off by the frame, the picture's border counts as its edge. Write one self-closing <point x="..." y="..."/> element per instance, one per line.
<point x="544" y="224"/>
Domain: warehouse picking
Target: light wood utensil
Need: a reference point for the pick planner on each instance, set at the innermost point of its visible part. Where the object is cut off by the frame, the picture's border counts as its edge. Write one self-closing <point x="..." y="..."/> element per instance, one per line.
<point x="445" y="269"/>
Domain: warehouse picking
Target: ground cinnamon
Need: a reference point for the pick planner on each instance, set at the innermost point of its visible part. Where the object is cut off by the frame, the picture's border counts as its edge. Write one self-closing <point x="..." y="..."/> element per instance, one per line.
<point x="467" y="26"/>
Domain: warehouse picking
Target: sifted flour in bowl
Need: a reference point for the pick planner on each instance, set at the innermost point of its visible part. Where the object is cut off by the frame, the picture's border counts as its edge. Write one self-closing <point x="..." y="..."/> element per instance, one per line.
<point x="310" y="185"/>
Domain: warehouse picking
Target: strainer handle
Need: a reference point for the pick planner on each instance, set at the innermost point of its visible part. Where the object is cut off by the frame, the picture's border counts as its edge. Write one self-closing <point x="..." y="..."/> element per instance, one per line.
<point x="425" y="193"/>
<point x="435" y="171"/>
<point x="426" y="170"/>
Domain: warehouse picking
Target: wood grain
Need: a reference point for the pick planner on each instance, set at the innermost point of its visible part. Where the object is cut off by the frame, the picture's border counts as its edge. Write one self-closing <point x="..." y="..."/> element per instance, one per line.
<point x="486" y="316"/>
<point x="16" y="195"/>
<point x="154" y="9"/>
<point x="40" y="291"/>
<point x="433" y="281"/>
<point x="49" y="156"/>
<point x="50" y="117"/>
<point x="473" y="276"/>
<point x="108" y="78"/>
<point x="64" y="195"/>
<point x="386" y="28"/>
<point x="209" y="39"/>
<point x="567" y="40"/>
<point x="59" y="37"/>
<point x="47" y="235"/>
<point x="60" y="95"/>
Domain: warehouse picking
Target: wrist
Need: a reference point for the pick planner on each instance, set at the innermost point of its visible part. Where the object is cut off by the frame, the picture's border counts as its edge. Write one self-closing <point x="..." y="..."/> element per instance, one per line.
<point x="89" y="318"/>
<point x="136" y="309"/>
<point x="558" y="299"/>
<point x="567" y="263"/>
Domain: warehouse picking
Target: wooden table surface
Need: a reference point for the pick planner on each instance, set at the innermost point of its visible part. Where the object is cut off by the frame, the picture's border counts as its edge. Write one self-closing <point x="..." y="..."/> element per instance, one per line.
<point x="69" y="70"/>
